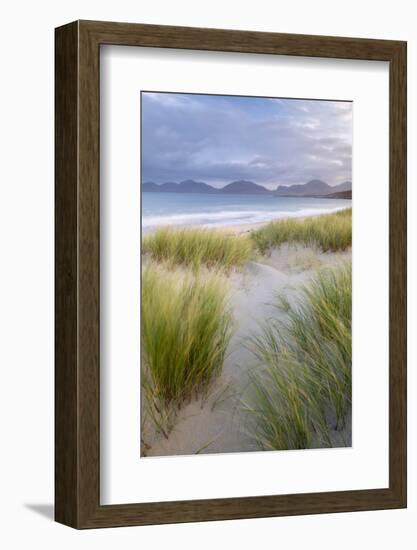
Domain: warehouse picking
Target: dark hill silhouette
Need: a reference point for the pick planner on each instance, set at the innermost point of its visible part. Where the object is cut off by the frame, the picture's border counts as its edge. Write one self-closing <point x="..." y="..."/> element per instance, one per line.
<point x="313" y="187"/>
<point x="245" y="187"/>
<point x="339" y="195"/>
<point x="345" y="186"/>
<point x="191" y="186"/>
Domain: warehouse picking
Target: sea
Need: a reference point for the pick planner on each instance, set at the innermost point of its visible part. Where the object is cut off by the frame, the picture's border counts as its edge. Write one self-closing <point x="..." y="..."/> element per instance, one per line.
<point x="192" y="209"/>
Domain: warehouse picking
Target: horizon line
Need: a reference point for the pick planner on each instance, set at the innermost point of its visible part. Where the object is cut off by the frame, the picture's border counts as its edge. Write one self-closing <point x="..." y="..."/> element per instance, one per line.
<point x="246" y="181"/>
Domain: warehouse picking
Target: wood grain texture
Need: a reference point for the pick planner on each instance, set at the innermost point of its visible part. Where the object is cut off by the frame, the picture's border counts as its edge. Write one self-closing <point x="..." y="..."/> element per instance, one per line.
<point x="78" y="284"/>
<point x="398" y="273"/>
<point x="66" y="237"/>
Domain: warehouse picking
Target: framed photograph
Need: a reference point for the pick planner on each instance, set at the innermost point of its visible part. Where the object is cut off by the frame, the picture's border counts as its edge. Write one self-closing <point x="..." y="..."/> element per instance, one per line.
<point x="230" y="274"/>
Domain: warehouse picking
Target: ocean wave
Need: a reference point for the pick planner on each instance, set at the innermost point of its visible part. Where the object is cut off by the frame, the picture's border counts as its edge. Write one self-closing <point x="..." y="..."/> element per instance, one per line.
<point x="231" y="217"/>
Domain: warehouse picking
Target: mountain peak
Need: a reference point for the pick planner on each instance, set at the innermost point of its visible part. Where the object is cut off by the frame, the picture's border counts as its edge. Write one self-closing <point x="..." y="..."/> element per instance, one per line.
<point x="312" y="187"/>
<point x="187" y="182"/>
<point x="192" y="186"/>
<point x="244" y="187"/>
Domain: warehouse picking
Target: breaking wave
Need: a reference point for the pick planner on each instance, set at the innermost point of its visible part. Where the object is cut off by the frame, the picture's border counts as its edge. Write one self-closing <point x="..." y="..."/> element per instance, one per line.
<point x="231" y="217"/>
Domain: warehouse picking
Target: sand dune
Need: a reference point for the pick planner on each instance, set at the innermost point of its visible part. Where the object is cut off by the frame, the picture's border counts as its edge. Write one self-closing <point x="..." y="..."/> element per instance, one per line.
<point x="218" y="424"/>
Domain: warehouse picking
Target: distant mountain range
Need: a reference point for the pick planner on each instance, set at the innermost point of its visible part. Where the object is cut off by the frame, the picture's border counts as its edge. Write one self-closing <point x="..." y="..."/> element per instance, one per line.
<point x="313" y="188"/>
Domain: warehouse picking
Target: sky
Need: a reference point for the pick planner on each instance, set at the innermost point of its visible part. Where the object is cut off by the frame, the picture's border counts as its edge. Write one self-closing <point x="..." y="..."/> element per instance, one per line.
<point x="220" y="139"/>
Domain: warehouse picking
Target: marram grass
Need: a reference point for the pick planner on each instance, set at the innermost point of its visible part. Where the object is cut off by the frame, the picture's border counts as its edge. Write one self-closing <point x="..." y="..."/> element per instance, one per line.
<point x="303" y="388"/>
<point x="196" y="247"/>
<point x="328" y="232"/>
<point x="186" y="328"/>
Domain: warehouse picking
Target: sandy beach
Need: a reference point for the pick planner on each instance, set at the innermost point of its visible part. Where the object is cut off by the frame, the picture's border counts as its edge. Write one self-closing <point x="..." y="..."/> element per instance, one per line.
<point x="218" y="424"/>
<point x="246" y="336"/>
<point x="240" y="229"/>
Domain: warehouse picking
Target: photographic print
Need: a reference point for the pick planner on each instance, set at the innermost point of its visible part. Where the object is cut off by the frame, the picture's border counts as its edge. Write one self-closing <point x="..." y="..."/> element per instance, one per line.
<point x="246" y="273"/>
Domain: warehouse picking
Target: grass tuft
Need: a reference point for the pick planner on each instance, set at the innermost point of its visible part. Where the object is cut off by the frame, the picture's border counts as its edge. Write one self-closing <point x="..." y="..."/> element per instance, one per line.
<point x="329" y="232"/>
<point x="186" y="328"/>
<point x="303" y="390"/>
<point x="194" y="247"/>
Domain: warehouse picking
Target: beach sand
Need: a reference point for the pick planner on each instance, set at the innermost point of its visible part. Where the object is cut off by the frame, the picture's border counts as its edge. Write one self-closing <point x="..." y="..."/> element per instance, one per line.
<point x="218" y="424"/>
<point x="242" y="228"/>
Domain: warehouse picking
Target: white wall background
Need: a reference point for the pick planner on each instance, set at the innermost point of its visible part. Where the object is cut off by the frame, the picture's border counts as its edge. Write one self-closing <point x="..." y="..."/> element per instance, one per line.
<point x="26" y="272"/>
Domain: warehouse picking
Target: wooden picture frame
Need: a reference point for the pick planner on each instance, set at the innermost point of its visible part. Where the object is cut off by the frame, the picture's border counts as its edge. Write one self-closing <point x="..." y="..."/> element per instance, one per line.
<point x="77" y="374"/>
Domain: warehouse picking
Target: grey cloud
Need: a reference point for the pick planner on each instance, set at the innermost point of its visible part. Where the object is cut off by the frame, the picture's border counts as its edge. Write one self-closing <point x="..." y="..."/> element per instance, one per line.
<point x="216" y="141"/>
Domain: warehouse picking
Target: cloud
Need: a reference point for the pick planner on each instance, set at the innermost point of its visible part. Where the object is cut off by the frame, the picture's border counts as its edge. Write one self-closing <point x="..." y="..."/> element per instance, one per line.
<point x="218" y="139"/>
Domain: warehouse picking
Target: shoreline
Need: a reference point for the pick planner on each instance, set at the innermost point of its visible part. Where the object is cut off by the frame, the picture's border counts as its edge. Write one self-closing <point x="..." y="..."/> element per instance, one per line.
<point x="241" y="228"/>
